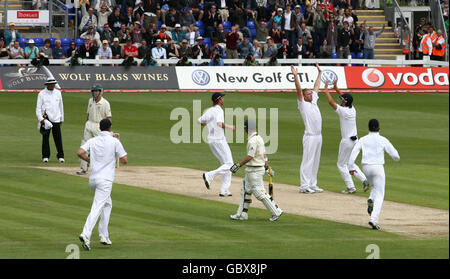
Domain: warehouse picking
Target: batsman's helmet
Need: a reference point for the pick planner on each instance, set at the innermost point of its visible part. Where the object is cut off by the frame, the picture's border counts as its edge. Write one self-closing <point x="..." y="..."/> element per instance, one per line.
<point x="96" y="87"/>
<point x="347" y="98"/>
<point x="250" y="125"/>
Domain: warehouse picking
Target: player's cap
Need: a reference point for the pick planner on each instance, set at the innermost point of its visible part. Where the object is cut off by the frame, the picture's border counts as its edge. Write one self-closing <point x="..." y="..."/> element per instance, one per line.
<point x="116" y="39"/>
<point x="280" y="10"/>
<point x="31" y="41"/>
<point x="374" y="125"/>
<point x="105" y="124"/>
<point x="250" y="125"/>
<point x="51" y="81"/>
<point x="177" y="25"/>
<point x="104" y="41"/>
<point x="347" y="98"/>
<point x="216" y="96"/>
<point x="96" y="87"/>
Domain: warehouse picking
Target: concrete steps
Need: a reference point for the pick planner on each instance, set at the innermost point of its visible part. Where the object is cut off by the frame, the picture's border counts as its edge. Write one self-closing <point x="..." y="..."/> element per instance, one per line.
<point x="386" y="46"/>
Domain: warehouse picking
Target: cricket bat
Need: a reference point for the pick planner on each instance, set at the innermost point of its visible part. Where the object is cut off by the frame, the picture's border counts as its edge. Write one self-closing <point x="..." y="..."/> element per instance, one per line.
<point x="270" y="184"/>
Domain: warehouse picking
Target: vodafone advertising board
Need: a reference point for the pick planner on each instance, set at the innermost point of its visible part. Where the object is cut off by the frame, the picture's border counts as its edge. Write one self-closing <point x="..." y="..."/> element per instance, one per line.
<point x="398" y="77"/>
<point x="254" y="78"/>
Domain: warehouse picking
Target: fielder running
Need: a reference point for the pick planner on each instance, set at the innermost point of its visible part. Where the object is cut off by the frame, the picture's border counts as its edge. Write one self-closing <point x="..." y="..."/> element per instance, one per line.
<point x="312" y="139"/>
<point x="103" y="150"/>
<point x="349" y="133"/>
<point x="373" y="147"/>
<point x="98" y="109"/>
<point x="256" y="162"/>
<point x="213" y="118"/>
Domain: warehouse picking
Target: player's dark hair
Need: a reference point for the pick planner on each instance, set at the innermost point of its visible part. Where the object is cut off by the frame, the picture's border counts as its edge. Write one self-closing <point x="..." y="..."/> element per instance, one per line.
<point x="374" y="125"/>
<point x="105" y="124"/>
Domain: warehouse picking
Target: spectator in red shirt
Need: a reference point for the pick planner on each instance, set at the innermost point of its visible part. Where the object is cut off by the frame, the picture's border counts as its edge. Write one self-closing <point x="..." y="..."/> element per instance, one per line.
<point x="130" y="50"/>
<point x="232" y="39"/>
<point x="162" y="35"/>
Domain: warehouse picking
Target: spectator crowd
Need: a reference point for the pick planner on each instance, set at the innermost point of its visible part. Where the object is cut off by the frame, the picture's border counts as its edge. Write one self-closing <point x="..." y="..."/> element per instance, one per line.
<point x="187" y="29"/>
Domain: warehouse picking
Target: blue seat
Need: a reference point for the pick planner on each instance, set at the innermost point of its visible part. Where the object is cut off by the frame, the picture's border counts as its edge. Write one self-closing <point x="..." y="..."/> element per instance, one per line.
<point x="251" y="24"/>
<point x="360" y="55"/>
<point x="38" y="42"/>
<point x="199" y="24"/>
<point x="226" y="25"/>
<point x="201" y="31"/>
<point x="334" y="55"/>
<point x="66" y="48"/>
<point x="250" y="40"/>
<point x="23" y="42"/>
<point x="227" y="29"/>
<point x="353" y="55"/>
<point x="159" y="24"/>
<point x="207" y="41"/>
<point x="66" y="41"/>
<point x="253" y="32"/>
<point x="79" y="41"/>
<point x="224" y="56"/>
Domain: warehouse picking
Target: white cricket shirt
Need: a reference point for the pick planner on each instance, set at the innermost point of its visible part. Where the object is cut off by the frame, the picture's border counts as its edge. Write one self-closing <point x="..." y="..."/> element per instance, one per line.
<point x="50" y="102"/>
<point x="256" y="149"/>
<point x="373" y="147"/>
<point x="347" y="118"/>
<point x="212" y="116"/>
<point x="98" y="111"/>
<point x="311" y="115"/>
<point x="103" y="150"/>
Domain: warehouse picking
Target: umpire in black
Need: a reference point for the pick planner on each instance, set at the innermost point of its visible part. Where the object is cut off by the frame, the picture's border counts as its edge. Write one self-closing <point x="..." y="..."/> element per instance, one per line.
<point x="50" y="113"/>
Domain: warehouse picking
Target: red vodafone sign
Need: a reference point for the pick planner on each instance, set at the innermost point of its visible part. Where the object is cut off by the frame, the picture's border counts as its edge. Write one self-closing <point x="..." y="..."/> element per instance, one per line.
<point x="398" y="77"/>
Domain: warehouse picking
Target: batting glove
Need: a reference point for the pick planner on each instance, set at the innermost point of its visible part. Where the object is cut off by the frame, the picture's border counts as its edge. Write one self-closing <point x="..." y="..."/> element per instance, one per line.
<point x="235" y="168"/>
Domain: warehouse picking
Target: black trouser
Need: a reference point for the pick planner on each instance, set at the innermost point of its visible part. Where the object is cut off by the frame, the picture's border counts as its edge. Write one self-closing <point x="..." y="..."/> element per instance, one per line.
<point x="56" y="131"/>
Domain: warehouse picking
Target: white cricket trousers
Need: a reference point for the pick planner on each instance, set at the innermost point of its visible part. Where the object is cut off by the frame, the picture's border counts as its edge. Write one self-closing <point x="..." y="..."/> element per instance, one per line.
<point x="254" y="184"/>
<point x="375" y="175"/>
<point x="101" y="207"/>
<point x="310" y="161"/>
<point x="222" y="151"/>
<point x="345" y="149"/>
<point x="91" y="130"/>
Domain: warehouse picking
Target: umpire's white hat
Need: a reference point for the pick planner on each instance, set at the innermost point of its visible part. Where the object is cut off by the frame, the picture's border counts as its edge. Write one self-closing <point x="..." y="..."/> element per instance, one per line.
<point x="51" y="81"/>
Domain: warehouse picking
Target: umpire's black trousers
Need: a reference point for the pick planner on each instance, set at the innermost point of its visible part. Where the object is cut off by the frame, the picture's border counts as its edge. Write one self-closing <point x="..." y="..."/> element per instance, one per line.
<point x="56" y="131"/>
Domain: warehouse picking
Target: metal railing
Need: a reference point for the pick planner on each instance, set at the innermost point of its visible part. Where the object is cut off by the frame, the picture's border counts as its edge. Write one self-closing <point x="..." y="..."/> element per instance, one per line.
<point x="389" y="11"/>
<point x="438" y="21"/>
<point x="400" y="62"/>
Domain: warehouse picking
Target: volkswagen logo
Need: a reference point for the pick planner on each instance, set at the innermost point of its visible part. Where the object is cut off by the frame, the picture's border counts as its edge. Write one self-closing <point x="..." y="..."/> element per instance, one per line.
<point x="330" y="76"/>
<point x="200" y="77"/>
<point x="373" y="77"/>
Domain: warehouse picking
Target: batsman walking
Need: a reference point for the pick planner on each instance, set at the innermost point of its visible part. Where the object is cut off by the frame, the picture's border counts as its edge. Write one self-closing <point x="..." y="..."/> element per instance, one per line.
<point x="347" y="118"/>
<point x="103" y="149"/>
<point x="98" y="109"/>
<point x="257" y="164"/>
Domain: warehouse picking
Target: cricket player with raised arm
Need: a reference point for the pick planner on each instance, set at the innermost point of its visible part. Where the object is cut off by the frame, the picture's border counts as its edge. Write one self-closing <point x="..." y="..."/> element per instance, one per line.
<point x="213" y="118"/>
<point x="256" y="165"/>
<point x="98" y="109"/>
<point x="312" y="138"/>
<point x="103" y="149"/>
<point x="373" y="147"/>
<point x="347" y="118"/>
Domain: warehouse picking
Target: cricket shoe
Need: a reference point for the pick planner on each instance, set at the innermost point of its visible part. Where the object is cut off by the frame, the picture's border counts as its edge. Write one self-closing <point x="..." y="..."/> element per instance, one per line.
<point x="366" y="185"/>
<point x="307" y="191"/>
<point x="44" y="160"/>
<point x="85" y="243"/>
<point x="242" y="217"/>
<point x="275" y="217"/>
<point x="349" y="191"/>
<point x="81" y="172"/>
<point x="61" y="160"/>
<point x="374" y="226"/>
<point x="207" y="182"/>
<point x="105" y="240"/>
<point x="369" y="206"/>
<point x="317" y="189"/>
<point x="226" y="194"/>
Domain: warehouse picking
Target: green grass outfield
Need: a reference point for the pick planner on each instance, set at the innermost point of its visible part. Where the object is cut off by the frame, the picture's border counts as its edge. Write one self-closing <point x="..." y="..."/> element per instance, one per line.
<point x="42" y="212"/>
